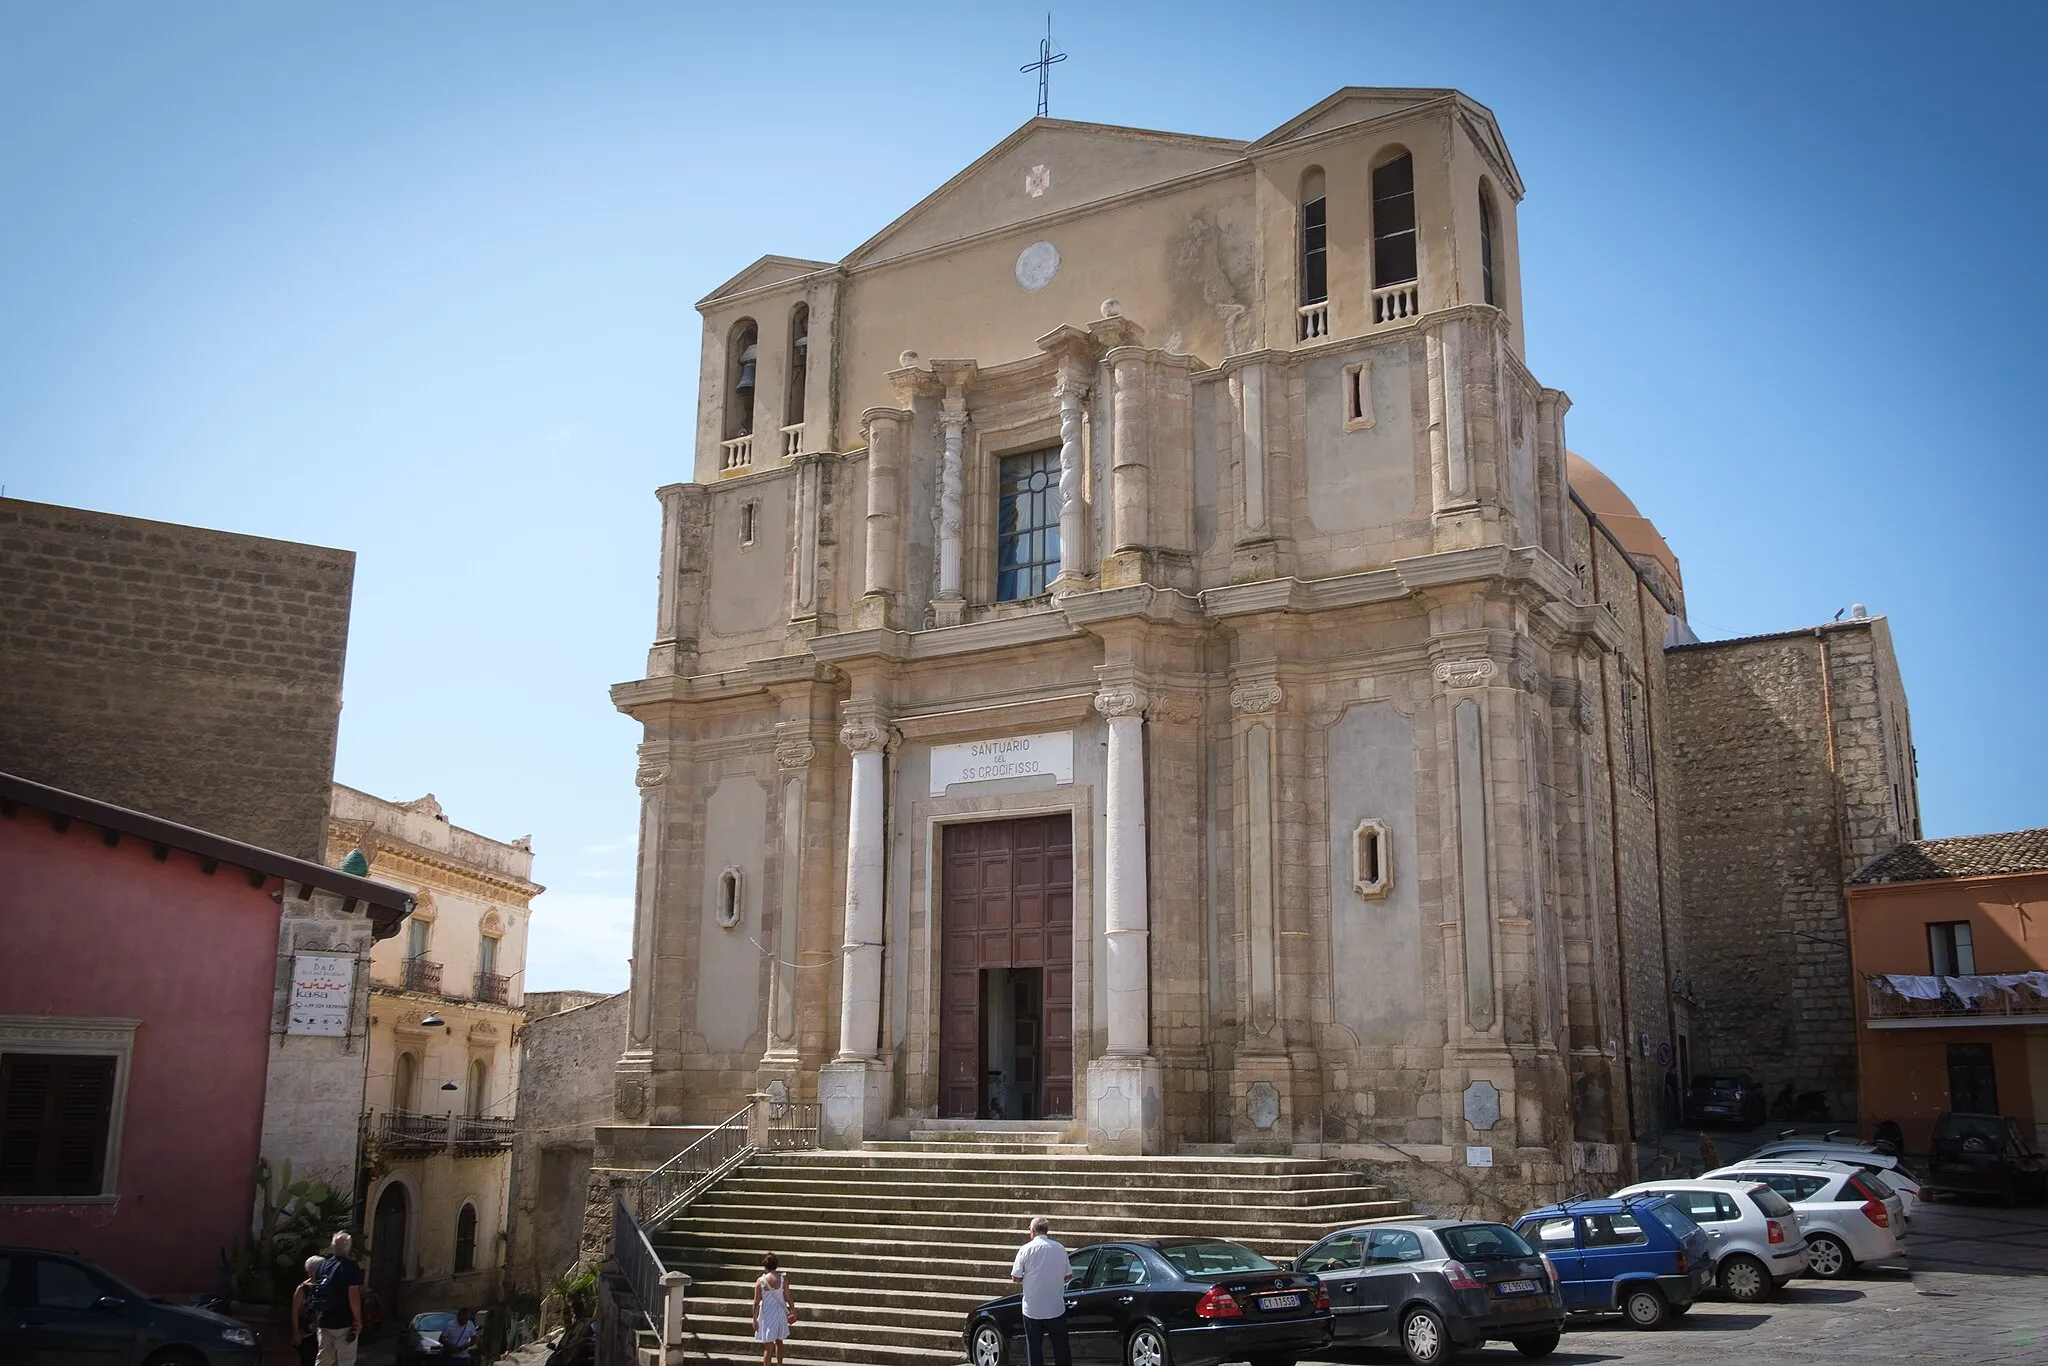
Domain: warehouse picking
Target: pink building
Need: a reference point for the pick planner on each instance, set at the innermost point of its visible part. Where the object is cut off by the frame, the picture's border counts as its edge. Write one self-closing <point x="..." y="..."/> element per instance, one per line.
<point x="139" y="991"/>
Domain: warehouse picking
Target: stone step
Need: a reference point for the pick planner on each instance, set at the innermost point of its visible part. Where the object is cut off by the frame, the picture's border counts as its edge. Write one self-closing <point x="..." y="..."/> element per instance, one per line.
<point x="736" y="1317"/>
<point x="1102" y="1190"/>
<point x="1005" y="1210"/>
<point x="856" y="1282"/>
<point x="770" y="1221"/>
<point x="883" y="1165"/>
<point x="992" y="1127"/>
<point x="937" y="1143"/>
<point x="807" y="1349"/>
<point x="847" y="1303"/>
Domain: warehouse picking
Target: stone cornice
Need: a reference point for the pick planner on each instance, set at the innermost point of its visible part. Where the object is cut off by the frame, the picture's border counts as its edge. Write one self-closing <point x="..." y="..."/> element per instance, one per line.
<point x="1066" y="709"/>
<point x="438" y="870"/>
<point x="744" y="681"/>
<point x="1141" y="602"/>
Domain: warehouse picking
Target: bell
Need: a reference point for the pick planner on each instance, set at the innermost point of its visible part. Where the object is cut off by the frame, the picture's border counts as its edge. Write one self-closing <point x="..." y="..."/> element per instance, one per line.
<point x="745" y="383"/>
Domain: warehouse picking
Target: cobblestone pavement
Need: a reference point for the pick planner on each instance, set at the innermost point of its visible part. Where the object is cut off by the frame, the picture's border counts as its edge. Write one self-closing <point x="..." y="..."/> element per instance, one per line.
<point x="1974" y="1290"/>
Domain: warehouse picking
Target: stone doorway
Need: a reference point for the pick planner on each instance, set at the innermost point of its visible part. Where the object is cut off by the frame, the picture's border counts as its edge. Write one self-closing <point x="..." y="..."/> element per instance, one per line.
<point x="387" y="1249"/>
<point x="1006" y="969"/>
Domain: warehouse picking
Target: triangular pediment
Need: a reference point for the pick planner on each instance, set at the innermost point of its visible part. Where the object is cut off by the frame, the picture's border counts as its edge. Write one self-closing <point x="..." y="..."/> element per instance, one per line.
<point x="1044" y="168"/>
<point x="1479" y="125"/>
<point x="1353" y="104"/>
<point x="769" y="270"/>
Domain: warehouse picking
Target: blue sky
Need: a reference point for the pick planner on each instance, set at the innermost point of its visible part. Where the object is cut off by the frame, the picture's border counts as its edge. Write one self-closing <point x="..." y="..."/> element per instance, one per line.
<point x="418" y="279"/>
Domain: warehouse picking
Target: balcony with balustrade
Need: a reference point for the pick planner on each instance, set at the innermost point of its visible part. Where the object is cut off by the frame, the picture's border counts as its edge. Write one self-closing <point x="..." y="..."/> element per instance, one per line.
<point x="411" y="1133"/>
<point x="493" y="988"/>
<point x="1314" y="321"/>
<point x="736" y="456"/>
<point x="423" y="974"/>
<point x="1396" y="303"/>
<point x="1908" y="1001"/>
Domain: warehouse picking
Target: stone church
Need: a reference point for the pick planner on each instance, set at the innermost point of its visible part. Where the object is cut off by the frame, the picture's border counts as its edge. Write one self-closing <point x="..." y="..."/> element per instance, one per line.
<point x="1135" y="650"/>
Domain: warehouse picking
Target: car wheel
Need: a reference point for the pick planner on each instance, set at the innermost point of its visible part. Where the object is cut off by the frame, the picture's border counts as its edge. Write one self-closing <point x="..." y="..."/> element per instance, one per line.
<point x="1745" y="1279"/>
<point x="1147" y="1347"/>
<point x="1272" y="1361"/>
<point x="1538" y="1346"/>
<point x="1644" y="1308"/>
<point x="175" y="1356"/>
<point x="986" y="1348"/>
<point x="1828" y="1257"/>
<point x="1423" y="1338"/>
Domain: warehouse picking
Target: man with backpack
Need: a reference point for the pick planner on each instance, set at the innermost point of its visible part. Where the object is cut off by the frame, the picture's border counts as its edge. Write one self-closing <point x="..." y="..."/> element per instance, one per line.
<point x="338" y="1304"/>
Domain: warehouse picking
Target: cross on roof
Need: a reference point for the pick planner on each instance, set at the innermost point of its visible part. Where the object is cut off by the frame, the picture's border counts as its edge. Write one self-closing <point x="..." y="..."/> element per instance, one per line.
<point x="1043" y="66"/>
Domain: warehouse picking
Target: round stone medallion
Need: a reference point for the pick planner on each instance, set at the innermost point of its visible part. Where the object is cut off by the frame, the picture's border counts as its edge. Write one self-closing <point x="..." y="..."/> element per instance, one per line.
<point x="1037" y="264"/>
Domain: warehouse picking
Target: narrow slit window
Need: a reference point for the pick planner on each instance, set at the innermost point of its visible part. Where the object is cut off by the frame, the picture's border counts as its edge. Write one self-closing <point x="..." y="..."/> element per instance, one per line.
<point x="1358" y="396"/>
<point x="1372" y="871"/>
<point x="1393" y="222"/>
<point x="1486" y="245"/>
<point x="750" y="520"/>
<point x="731" y="900"/>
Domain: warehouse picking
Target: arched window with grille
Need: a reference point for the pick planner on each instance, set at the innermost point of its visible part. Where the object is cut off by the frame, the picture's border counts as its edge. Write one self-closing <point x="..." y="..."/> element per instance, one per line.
<point x="465" y="1239"/>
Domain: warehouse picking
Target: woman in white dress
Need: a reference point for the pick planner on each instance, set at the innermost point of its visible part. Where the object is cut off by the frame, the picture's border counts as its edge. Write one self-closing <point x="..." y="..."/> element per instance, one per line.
<point x="774" y="1311"/>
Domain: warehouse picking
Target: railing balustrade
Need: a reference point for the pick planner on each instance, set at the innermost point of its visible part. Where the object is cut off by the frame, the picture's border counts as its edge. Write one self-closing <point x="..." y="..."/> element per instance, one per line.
<point x="792" y="441"/>
<point x="411" y="1129"/>
<point x="1392" y="303"/>
<point x="792" y="1126"/>
<point x="1315" y="320"/>
<point x="676" y="1182"/>
<point x="422" y="975"/>
<point x="738" y="453"/>
<point x="493" y="988"/>
<point x="480" y="1133"/>
<point x="637" y="1262"/>
<point x="1900" y="999"/>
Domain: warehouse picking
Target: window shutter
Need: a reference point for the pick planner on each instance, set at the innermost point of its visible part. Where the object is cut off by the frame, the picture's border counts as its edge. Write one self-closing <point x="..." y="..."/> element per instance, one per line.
<point x="24" y="1100"/>
<point x="54" y="1112"/>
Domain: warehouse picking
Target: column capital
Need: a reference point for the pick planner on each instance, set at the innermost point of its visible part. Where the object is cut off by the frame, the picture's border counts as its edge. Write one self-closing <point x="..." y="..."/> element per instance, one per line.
<point x="865" y="734"/>
<point x="1256" y="696"/>
<point x="1072" y="387"/>
<point x="1120" y="700"/>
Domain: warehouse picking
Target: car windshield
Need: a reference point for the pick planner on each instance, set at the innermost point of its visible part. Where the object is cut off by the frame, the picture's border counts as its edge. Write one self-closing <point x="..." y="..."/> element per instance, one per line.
<point x="1214" y="1259"/>
<point x="1770" y="1202"/>
<point x="432" y="1323"/>
<point x="1485" y="1243"/>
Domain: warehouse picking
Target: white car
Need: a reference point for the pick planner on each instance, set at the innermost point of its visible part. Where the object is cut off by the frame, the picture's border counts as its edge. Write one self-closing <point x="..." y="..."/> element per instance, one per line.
<point x="1849" y="1215"/>
<point x="1757" y="1242"/>
<point x="1861" y="1155"/>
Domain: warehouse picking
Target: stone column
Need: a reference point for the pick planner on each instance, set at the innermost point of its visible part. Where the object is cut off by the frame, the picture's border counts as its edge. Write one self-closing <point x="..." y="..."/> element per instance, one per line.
<point x="950" y="603"/>
<point x="1130" y="476"/>
<point x="1072" y="393"/>
<point x="853" y="1087"/>
<point x="888" y="432"/>
<point x="1124" y="1107"/>
<point x="633" y="1081"/>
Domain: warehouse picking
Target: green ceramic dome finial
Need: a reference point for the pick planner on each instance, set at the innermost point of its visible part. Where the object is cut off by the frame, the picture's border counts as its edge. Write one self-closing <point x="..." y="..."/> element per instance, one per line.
<point x="354" y="864"/>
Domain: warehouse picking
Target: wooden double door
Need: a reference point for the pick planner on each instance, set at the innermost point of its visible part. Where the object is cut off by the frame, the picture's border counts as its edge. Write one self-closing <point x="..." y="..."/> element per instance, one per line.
<point x="1006" y="969"/>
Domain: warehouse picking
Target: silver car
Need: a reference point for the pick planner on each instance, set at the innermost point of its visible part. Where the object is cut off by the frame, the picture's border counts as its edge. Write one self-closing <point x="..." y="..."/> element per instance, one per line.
<point x="1850" y="1216"/>
<point x="1861" y="1155"/>
<point x="1758" y="1244"/>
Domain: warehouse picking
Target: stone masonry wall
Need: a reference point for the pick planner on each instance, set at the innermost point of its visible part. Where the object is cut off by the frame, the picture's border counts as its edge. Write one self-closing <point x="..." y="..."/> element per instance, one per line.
<point x="192" y="674"/>
<point x="565" y="1091"/>
<point x="1795" y="758"/>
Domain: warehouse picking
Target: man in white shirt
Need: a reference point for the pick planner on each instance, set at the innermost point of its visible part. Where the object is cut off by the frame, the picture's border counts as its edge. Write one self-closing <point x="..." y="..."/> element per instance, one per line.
<point x="1042" y="1269"/>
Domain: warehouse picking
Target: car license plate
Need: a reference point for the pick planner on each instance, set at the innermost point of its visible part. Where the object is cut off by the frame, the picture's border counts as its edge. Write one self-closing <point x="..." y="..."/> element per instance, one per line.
<point x="1515" y="1288"/>
<point x="1279" y="1301"/>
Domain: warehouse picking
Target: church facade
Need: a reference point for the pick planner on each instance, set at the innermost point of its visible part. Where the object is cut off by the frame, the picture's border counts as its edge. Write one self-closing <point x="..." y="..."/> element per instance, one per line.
<point x="1135" y="650"/>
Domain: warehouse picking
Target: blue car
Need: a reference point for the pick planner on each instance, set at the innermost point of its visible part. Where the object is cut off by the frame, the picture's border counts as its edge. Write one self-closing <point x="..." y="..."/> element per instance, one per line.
<point x="1638" y="1255"/>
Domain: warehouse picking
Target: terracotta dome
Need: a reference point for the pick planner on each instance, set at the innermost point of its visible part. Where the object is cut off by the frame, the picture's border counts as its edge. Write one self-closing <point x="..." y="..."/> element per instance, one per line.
<point x="1614" y="508"/>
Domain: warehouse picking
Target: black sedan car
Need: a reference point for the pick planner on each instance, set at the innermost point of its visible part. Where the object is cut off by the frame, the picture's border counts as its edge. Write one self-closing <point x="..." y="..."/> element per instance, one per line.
<point x="1985" y="1155"/>
<point x="1169" y="1302"/>
<point x="1431" y="1286"/>
<point x="55" y="1308"/>
<point x="1724" y="1098"/>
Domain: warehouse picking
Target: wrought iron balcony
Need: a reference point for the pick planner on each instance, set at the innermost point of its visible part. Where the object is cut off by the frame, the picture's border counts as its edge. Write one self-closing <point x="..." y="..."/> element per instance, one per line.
<point x="422" y="975"/>
<point x="493" y="988"/>
<point x="408" y="1131"/>
<point x="1904" y="1001"/>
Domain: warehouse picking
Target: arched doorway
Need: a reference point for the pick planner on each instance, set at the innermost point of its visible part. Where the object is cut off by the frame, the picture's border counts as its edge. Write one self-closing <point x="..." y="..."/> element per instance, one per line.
<point x="387" y="1249"/>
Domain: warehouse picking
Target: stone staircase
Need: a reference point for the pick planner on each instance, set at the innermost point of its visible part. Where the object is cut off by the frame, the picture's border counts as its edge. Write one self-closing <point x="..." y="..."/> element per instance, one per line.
<point x="887" y="1248"/>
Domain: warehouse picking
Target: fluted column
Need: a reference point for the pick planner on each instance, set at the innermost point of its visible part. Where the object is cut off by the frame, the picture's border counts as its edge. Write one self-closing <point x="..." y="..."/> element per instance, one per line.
<point x="860" y="1002"/>
<point x="1126" y="910"/>
<point x="1073" y="553"/>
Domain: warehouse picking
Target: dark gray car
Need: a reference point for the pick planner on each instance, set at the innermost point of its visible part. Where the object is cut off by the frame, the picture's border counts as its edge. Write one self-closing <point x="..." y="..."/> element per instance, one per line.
<point x="1431" y="1286"/>
<point x="55" y="1308"/>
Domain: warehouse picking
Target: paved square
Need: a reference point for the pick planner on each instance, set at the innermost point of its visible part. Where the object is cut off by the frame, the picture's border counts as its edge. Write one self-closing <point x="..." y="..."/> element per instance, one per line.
<point x="1976" y="1292"/>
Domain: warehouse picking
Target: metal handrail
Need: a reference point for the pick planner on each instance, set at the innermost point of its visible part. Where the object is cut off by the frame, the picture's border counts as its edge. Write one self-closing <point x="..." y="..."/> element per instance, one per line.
<point x="1979" y="996"/>
<point x="676" y="1182"/>
<point x="638" y="1263"/>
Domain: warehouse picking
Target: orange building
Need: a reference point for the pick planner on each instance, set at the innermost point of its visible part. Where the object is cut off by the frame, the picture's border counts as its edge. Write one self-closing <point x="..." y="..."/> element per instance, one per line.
<point x="1949" y="943"/>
